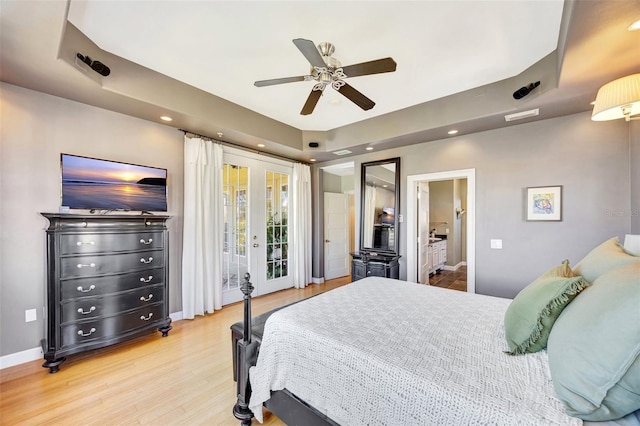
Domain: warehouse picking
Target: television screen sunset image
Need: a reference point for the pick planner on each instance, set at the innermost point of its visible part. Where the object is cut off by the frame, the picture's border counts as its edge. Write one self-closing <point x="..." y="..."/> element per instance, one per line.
<point x="89" y="183"/>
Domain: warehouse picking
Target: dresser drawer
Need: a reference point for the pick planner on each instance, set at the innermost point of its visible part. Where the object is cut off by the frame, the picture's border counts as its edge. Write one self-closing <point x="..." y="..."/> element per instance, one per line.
<point x="376" y="269"/>
<point x="86" y="243"/>
<point x="83" y="266"/>
<point x="92" y="307"/>
<point x="105" y="328"/>
<point x="96" y="286"/>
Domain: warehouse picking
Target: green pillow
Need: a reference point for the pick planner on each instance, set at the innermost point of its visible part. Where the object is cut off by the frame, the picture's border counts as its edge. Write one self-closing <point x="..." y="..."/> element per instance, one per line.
<point x="594" y="348"/>
<point x="531" y="314"/>
<point x="606" y="256"/>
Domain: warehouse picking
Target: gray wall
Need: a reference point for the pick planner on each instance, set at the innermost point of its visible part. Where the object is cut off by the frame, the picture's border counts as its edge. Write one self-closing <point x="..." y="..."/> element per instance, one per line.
<point x="589" y="159"/>
<point x="35" y="129"/>
<point x="634" y="152"/>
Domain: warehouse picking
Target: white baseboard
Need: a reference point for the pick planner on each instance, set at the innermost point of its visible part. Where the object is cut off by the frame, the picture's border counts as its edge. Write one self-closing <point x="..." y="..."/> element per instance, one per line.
<point x="315" y="280"/>
<point x="454" y="268"/>
<point x="20" y="357"/>
<point x="36" y="353"/>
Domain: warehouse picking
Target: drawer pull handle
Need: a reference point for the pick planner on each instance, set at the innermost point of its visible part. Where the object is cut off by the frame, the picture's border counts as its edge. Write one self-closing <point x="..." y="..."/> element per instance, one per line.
<point x="149" y="241"/>
<point x="90" y="265"/>
<point x="146" y="299"/>
<point x="90" y="243"/>
<point x="148" y="280"/>
<point x="83" y="334"/>
<point x="83" y="312"/>
<point x="82" y="290"/>
<point x="146" y="318"/>
<point x="147" y="260"/>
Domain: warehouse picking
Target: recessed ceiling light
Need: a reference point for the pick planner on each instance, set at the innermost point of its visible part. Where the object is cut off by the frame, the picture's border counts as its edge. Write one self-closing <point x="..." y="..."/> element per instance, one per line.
<point x="261" y="145"/>
<point x="634" y="26"/>
<point x="166" y="118"/>
<point x="369" y="148"/>
<point x="452" y="132"/>
<point x="312" y="159"/>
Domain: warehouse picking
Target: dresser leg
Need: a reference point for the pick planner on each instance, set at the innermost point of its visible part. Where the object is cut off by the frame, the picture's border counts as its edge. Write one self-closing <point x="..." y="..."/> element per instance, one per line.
<point x="54" y="365"/>
<point x="165" y="329"/>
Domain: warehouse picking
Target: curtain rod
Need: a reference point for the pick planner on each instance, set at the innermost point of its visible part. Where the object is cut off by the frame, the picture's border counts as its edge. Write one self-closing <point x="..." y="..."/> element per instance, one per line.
<point x="244" y="148"/>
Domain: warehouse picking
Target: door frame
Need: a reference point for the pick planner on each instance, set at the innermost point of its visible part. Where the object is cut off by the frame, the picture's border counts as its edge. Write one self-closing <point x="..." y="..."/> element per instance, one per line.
<point x="412" y="240"/>
<point x="256" y="200"/>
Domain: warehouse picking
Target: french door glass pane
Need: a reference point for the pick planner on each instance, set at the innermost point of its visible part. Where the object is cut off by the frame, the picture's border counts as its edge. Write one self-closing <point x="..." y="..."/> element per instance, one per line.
<point x="235" y="193"/>
<point x="277" y="207"/>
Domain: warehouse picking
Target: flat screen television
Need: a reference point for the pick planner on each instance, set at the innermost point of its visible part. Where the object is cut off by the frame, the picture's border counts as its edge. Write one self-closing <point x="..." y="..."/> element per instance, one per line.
<point x="388" y="216"/>
<point x="94" y="184"/>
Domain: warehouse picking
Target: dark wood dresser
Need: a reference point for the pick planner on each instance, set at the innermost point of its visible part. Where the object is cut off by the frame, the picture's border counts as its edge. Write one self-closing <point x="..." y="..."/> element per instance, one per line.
<point x="365" y="264"/>
<point x="107" y="282"/>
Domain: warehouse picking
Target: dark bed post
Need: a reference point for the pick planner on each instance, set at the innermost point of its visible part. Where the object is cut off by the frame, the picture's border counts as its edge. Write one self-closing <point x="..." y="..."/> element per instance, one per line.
<point x="246" y="357"/>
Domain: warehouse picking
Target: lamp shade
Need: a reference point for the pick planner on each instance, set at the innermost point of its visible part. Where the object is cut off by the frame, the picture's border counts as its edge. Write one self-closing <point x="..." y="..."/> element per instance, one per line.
<point x="618" y="99"/>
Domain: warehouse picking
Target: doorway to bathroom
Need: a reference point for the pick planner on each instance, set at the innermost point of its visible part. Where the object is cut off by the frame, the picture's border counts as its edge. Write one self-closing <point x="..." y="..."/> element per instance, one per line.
<point x="451" y="221"/>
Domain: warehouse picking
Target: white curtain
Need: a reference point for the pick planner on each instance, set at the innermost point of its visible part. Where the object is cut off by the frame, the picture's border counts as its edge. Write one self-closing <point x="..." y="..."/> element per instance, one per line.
<point x="369" y="216"/>
<point x="203" y="226"/>
<point x="300" y="241"/>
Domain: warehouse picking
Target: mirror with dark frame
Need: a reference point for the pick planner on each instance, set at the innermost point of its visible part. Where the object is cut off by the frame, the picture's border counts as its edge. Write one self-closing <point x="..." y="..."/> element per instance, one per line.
<point x="380" y="202"/>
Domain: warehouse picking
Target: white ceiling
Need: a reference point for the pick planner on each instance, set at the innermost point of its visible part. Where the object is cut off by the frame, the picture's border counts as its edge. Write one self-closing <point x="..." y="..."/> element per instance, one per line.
<point x="459" y="63"/>
<point x="222" y="47"/>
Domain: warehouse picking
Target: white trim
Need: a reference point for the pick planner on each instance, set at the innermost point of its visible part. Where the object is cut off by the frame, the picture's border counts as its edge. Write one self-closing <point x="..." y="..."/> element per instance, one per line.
<point x="20" y="357"/>
<point x="412" y="196"/>
<point x="315" y="280"/>
<point x="176" y="316"/>
<point x="454" y="268"/>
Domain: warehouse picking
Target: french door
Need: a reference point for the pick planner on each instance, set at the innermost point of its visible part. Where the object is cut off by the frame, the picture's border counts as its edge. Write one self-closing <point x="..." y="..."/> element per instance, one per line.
<point x="256" y="224"/>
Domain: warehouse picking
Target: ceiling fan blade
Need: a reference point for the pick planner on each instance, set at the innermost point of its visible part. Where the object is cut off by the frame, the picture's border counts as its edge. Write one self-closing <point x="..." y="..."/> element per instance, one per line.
<point x="312" y="100"/>
<point x="273" y="81"/>
<point x="372" y="67"/>
<point x="356" y="97"/>
<point x="310" y="51"/>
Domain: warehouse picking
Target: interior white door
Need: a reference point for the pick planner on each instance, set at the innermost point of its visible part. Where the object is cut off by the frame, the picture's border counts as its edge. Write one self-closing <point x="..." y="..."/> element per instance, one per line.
<point x="424" y="263"/>
<point x="336" y="235"/>
<point x="256" y="202"/>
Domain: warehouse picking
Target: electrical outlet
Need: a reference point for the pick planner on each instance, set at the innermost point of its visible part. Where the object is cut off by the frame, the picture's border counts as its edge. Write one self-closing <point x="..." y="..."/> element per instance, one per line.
<point x="496" y="244"/>
<point x="30" y="315"/>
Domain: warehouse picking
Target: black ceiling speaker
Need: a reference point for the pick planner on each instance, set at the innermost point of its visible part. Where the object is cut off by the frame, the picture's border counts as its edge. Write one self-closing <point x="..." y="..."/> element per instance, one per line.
<point x="97" y="66"/>
<point x="313" y="144"/>
<point x="524" y="91"/>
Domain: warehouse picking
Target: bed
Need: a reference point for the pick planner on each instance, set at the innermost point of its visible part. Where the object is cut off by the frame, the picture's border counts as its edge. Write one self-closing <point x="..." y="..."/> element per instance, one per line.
<point x="386" y="352"/>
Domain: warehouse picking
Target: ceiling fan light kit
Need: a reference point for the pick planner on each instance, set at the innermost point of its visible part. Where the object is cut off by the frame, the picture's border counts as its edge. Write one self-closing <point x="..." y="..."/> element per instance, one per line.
<point x="328" y="71"/>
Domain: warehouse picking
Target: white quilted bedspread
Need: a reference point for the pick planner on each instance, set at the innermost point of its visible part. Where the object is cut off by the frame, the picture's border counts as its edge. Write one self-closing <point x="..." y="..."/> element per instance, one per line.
<point x="387" y="352"/>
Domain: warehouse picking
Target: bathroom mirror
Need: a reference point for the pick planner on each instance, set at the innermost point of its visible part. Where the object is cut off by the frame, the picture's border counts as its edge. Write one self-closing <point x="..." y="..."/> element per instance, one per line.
<point x="380" y="202"/>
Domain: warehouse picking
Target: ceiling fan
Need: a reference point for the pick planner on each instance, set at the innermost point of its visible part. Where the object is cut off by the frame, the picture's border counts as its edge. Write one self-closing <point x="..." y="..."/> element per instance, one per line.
<point x="327" y="70"/>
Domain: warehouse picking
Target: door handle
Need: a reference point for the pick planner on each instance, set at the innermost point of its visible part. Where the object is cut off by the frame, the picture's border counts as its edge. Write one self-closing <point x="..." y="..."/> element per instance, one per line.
<point x="256" y="245"/>
<point x="327" y="241"/>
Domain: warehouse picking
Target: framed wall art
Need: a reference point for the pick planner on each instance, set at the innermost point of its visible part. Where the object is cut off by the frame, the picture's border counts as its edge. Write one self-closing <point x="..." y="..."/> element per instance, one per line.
<point x="544" y="203"/>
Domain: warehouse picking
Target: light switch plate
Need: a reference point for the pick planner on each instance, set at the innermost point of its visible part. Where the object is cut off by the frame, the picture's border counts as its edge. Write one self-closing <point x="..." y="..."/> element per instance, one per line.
<point x="30" y="315"/>
<point x="496" y="244"/>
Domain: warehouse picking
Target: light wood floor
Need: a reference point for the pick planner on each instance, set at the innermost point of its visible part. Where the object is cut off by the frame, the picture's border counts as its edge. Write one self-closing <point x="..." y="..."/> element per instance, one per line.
<point x="183" y="379"/>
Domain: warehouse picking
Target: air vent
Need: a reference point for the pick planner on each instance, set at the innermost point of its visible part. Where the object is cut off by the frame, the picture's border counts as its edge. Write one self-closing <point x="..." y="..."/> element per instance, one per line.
<point x="521" y="115"/>
<point x="342" y="152"/>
